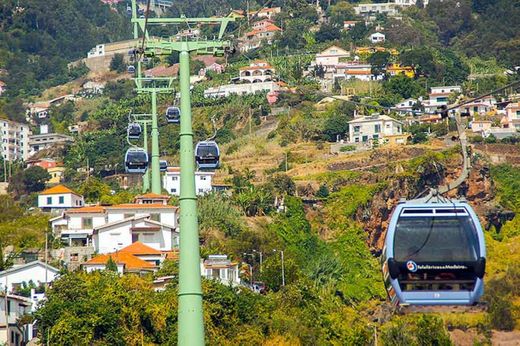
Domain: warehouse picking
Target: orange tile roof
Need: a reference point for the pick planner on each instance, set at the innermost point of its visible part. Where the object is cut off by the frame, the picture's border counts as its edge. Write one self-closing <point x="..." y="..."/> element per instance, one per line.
<point x="153" y="195"/>
<point x="172" y="255"/>
<point x="58" y="189"/>
<point x="247" y="68"/>
<point x="92" y="209"/>
<point x="127" y="259"/>
<point x="141" y="206"/>
<point x="358" y="72"/>
<point x="139" y="248"/>
<point x="267" y="28"/>
<point x="173" y="169"/>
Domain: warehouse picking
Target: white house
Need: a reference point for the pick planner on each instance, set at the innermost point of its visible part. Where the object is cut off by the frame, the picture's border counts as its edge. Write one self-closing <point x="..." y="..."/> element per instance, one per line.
<point x="374" y="127"/>
<point x="406" y="106"/>
<point x="241" y="89"/>
<point x="125" y="263"/>
<point x="172" y="181"/>
<point x="405" y="3"/>
<point x="105" y="229"/>
<point x="439" y="95"/>
<point x="377" y="37"/>
<point x="47" y="141"/>
<point x="37" y="272"/>
<point x="98" y="50"/>
<point x="59" y="197"/>
<point x="332" y="56"/>
<point x="14" y="334"/>
<point x="369" y="10"/>
<point x="219" y="267"/>
<point x="256" y="72"/>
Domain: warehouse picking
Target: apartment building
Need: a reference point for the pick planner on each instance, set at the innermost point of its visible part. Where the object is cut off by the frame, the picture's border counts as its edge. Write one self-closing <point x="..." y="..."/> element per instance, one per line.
<point x="15" y="140"/>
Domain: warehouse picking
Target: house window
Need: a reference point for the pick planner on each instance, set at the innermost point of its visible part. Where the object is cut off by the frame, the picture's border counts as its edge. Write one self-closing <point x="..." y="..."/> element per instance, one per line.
<point x="155" y="217"/>
<point x="175" y="178"/>
<point x="173" y="190"/>
<point x="357" y="129"/>
<point x="365" y="138"/>
<point x="201" y="190"/>
<point x="49" y="200"/>
<point x="61" y="199"/>
<point x="86" y="222"/>
<point x="135" y="237"/>
<point x="203" y="177"/>
<point x="377" y="128"/>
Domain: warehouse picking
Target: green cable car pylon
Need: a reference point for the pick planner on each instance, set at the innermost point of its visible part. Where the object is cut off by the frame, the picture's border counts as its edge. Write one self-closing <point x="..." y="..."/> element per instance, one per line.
<point x="190" y="315"/>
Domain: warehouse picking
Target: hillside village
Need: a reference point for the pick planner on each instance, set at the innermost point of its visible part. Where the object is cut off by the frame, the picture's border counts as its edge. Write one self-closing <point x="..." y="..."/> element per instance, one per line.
<point x="326" y="114"/>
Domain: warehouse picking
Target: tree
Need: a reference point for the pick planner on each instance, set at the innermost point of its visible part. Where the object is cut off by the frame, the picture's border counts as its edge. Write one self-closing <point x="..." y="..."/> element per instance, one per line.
<point x="403" y="86"/>
<point x="173" y="58"/>
<point x="28" y="181"/>
<point x="328" y="32"/>
<point x="94" y="189"/>
<point x="117" y="63"/>
<point x="336" y="125"/>
<point x="379" y="60"/>
<point x="111" y="265"/>
<point x="323" y="191"/>
<point x="283" y="184"/>
<point x="421" y="59"/>
<point x="15" y="110"/>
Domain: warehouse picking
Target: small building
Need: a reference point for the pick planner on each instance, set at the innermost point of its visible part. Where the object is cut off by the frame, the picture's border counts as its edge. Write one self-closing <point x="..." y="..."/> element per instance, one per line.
<point x="220" y="268"/>
<point x="349" y="24"/>
<point x="172" y="181"/>
<point x="97" y="51"/>
<point x="406" y="106"/>
<point x="59" y="197"/>
<point x="439" y="95"/>
<point x="481" y="125"/>
<point x="267" y="12"/>
<point x="377" y="37"/>
<point x="37" y="272"/>
<point x="57" y="174"/>
<point x="254" y="39"/>
<point x="44" y="163"/>
<point x="332" y="56"/>
<point x="397" y="69"/>
<point x="375" y="127"/>
<point x="125" y="263"/>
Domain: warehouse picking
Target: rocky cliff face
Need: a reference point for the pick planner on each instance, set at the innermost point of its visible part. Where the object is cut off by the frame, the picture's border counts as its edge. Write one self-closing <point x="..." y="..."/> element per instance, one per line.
<point x="478" y="190"/>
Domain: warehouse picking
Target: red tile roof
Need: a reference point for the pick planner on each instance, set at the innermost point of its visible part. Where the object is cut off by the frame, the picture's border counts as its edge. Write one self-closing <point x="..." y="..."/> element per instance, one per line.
<point x="139" y="248"/>
<point x="130" y="261"/>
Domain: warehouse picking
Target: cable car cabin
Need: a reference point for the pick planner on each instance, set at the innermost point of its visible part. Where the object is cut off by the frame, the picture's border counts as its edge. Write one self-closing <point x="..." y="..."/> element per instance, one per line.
<point x="134" y="131"/>
<point x="163" y="165"/>
<point x="136" y="161"/>
<point x="434" y="254"/>
<point x="207" y="155"/>
<point x="173" y="115"/>
<point x="130" y="69"/>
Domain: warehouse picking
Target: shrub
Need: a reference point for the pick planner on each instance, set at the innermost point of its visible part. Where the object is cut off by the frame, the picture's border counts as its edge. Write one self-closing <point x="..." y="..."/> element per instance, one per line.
<point x="347" y="148"/>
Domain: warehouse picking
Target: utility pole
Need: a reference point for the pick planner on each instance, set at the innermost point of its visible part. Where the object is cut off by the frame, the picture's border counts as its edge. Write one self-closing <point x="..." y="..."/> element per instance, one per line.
<point x="190" y="315"/>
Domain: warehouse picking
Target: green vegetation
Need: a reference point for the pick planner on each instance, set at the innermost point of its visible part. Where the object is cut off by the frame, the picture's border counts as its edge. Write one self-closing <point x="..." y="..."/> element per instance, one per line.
<point x="39" y="38"/>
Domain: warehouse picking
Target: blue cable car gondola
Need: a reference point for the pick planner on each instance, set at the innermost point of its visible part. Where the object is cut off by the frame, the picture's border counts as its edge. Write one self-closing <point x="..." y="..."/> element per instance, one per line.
<point x="207" y="155"/>
<point x="136" y="161"/>
<point x="130" y="69"/>
<point x="163" y="165"/>
<point x="434" y="254"/>
<point x="173" y="115"/>
<point x="134" y="131"/>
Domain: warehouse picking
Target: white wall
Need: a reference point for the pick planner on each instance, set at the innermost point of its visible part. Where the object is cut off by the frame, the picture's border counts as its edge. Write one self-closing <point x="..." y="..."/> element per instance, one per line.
<point x="368" y="129"/>
<point x="203" y="182"/>
<point x="110" y="239"/>
<point x="69" y="201"/>
<point x="168" y="214"/>
<point x="93" y="267"/>
<point x="34" y="273"/>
